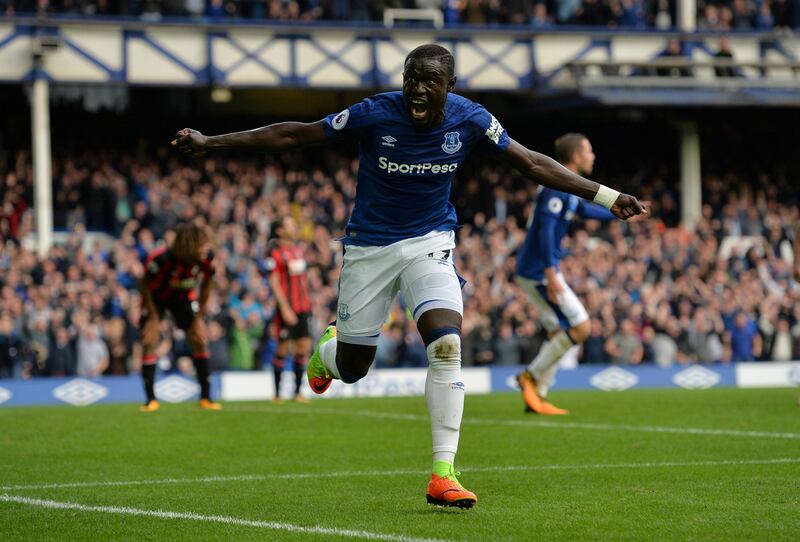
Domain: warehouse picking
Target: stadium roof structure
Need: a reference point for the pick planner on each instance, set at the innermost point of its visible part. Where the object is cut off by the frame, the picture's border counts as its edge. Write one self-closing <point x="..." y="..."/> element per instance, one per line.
<point x="607" y="67"/>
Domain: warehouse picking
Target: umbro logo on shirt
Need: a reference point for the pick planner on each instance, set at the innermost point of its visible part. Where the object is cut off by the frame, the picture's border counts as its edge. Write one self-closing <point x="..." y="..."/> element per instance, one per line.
<point x="388" y="141"/>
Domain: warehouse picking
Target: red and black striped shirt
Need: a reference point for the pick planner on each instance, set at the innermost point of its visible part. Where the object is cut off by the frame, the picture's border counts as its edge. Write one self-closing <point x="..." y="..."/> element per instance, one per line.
<point x="168" y="278"/>
<point x="290" y="265"/>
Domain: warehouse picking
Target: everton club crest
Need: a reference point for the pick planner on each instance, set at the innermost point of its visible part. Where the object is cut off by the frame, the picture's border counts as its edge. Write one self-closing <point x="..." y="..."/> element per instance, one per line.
<point x="451" y="142"/>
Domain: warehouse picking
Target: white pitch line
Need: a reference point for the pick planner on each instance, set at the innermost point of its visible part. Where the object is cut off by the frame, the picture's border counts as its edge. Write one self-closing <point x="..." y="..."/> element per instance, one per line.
<point x="666" y="464"/>
<point x="415" y="472"/>
<point x="642" y="428"/>
<point x="533" y="423"/>
<point x="227" y="520"/>
<point x="212" y="479"/>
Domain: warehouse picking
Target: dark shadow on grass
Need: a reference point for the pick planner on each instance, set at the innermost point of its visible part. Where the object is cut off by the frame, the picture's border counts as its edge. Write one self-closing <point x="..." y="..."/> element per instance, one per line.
<point x="440" y="510"/>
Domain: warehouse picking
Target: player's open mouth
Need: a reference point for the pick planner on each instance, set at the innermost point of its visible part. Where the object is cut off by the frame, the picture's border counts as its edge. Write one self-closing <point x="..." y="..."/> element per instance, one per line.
<point x="419" y="110"/>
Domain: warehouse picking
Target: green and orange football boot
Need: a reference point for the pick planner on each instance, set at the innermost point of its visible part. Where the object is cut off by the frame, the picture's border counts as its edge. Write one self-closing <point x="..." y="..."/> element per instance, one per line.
<point x="447" y="491"/>
<point x="319" y="379"/>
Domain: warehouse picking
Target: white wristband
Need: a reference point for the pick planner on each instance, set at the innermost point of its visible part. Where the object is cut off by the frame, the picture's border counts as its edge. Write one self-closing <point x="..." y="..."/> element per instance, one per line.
<point x="606" y="196"/>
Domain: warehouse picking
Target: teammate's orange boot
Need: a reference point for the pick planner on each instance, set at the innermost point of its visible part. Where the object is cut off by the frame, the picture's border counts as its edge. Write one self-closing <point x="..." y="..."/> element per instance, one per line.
<point x="300" y="399"/>
<point x="151" y="406"/>
<point x="527" y="385"/>
<point x="208" y="404"/>
<point x="446" y="491"/>
<point x="548" y="409"/>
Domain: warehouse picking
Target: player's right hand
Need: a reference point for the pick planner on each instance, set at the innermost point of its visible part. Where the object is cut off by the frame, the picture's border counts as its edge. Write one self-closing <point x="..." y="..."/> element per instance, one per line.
<point x="289" y="317"/>
<point x="627" y="207"/>
<point x="191" y="142"/>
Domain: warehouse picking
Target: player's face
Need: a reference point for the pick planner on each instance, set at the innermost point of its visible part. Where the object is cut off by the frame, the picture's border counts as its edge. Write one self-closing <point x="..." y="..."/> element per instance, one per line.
<point x="585" y="158"/>
<point x="425" y="87"/>
<point x="203" y="251"/>
<point x="289" y="229"/>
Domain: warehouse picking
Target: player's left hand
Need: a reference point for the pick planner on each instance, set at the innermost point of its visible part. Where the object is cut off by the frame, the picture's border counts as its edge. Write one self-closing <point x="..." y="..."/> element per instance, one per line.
<point x="191" y="142"/>
<point x="627" y="207"/>
<point x="555" y="288"/>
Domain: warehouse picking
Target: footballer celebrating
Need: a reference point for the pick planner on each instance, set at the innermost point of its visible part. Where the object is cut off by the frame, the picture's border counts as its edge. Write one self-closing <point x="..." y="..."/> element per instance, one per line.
<point x="400" y="236"/>
<point x="562" y="315"/>
<point x="172" y="277"/>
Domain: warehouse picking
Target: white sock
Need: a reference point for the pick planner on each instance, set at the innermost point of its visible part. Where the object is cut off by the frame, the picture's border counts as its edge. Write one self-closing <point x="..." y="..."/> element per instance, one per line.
<point x="549" y="355"/>
<point x="546" y="380"/>
<point x="450" y="457"/>
<point x="444" y="395"/>
<point x="328" y="355"/>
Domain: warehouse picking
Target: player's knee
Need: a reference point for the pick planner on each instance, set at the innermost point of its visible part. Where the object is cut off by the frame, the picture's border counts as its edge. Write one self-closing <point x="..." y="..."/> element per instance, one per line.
<point x="197" y="345"/>
<point x="149" y="358"/>
<point x="353" y="361"/>
<point x="438" y="322"/>
<point x="445" y="351"/>
<point x="353" y="370"/>
<point x="581" y="332"/>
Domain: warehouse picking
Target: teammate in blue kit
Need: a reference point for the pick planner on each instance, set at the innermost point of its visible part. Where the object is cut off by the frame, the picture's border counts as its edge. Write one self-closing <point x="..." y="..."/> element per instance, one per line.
<point x="400" y="236"/>
<point x="560" y="311"/>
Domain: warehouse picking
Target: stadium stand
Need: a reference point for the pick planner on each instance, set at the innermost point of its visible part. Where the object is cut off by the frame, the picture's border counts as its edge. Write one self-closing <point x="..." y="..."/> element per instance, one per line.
<point x="724" y="15"/>
<point x="674" y="294"/>
<point x="647" y="279"/>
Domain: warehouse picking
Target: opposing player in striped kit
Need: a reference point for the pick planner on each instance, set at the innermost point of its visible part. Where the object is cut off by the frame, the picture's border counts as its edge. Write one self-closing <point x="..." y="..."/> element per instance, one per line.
<point x="172" y="278"/>
<point x="286" y="264"/>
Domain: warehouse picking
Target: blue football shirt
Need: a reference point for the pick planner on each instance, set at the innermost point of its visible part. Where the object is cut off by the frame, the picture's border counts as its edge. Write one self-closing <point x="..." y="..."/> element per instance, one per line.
<point x="549" y="223"/>
<point x="405" y="174"/>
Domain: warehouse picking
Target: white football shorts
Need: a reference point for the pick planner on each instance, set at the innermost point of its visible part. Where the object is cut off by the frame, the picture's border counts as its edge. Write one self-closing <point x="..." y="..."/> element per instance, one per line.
<point x="568" y="312"/>
<point x="420" y="268"/>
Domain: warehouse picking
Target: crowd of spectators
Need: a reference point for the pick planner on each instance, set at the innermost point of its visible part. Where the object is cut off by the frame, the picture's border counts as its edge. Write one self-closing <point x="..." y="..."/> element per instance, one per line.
<point x="657" y="293"/>
<point x="746" y="14"/>
<point x="712" y="14"/>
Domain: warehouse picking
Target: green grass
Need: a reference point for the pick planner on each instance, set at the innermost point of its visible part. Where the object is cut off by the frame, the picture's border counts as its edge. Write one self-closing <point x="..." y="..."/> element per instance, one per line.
<point x="576" y="478"/>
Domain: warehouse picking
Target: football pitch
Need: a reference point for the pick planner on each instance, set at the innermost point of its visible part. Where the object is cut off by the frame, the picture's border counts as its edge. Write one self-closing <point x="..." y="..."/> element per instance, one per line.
<point x="718" y="464"/>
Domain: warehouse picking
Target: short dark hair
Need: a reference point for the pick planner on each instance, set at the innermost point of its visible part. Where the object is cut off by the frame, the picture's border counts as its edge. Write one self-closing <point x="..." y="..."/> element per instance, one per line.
<point x="434" y="52"/>
<point x="276" y="226"/>
<point x="567" y="145"/>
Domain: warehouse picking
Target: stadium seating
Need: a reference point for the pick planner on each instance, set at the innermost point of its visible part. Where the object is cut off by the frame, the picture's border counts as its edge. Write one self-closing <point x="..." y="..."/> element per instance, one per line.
<point x="651" y="276"/>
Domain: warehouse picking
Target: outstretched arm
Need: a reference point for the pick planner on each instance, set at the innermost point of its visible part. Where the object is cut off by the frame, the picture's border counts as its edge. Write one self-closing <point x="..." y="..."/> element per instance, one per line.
<point x="283" y="136"/>
<point x="544" y="170"/>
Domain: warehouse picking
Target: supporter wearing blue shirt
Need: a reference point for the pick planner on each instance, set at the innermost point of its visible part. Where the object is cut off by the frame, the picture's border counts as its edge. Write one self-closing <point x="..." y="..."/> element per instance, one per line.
<point x="400" y="235"/>
<point x="745" y="339"/>
<point x="559" y="309"/>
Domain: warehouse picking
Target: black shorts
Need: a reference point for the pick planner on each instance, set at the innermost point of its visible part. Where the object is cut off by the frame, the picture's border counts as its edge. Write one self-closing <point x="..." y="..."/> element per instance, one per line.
<point x="183" y="311"/>
<point x="291" y="333"/>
